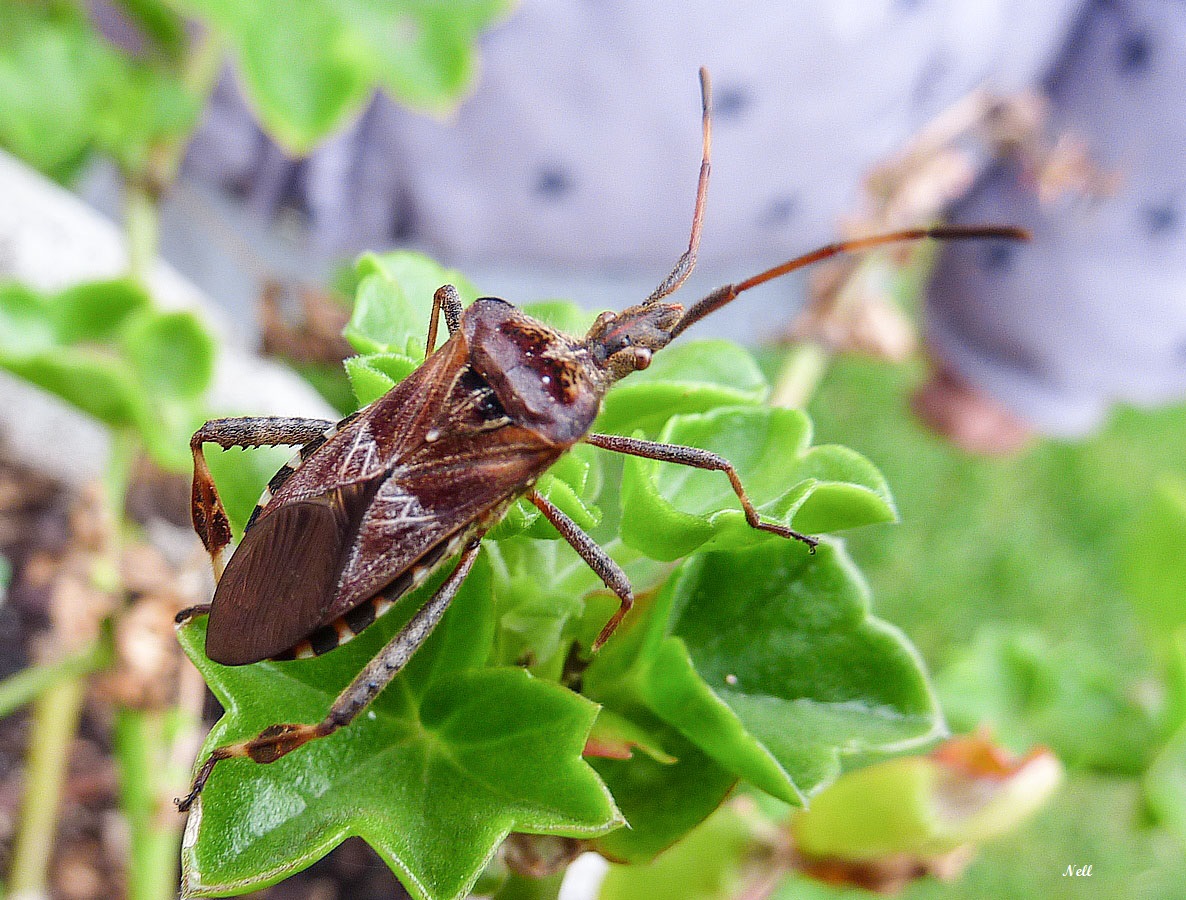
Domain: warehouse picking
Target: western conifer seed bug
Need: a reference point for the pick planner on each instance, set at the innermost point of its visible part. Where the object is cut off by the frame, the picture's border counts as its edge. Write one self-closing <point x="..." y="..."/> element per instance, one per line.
<point x="370" y="506"/>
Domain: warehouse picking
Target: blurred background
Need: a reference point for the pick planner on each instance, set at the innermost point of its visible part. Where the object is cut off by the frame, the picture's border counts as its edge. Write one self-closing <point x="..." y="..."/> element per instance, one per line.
<point x="1024" y="402"/>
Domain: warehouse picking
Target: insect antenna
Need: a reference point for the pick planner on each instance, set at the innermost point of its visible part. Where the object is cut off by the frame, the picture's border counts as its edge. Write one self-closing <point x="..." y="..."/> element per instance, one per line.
<point x="687" y="262"/>
<point x="729" y="292"/>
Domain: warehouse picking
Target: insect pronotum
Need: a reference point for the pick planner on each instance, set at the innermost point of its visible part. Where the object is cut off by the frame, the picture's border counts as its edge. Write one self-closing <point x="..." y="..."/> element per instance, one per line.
<point x="371" y="505"/>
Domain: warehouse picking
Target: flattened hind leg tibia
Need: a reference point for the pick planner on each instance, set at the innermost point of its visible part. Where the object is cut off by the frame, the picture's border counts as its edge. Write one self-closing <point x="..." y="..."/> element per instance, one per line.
<point x="209" y="516"/>
<point x="276" y="741"/>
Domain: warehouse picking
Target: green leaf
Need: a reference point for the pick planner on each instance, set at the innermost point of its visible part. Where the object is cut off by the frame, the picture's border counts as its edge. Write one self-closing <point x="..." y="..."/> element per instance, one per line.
<point x="669" y="510"/>
<point x="65" y="91"/>
<point x="308" y="65"/>
<point x="26" y="322"/>
<point x="157" y="20"/>
<point x="241" y="474"/>
<point x="95" y="311"/>
<point x="373" y="375"/>
<point x="48" y="70"/>
<point x="173" y="354"/>
<point x="769" y="661"/>
<point x="394" y="302"/>
<point x="448" y="760"/>
<point x="708" y="865"/>
<point x="96" y="383"/>
<point x="616" y="737"/>
<point x="1030" y="691"/>
<point x="660" y="801"/>
<point x="926" y="805"/>
<point x="688" y="378"/>
<point x="571" y="483"/>
<point x="563" y="315"/>
<point x="101" y="347"/>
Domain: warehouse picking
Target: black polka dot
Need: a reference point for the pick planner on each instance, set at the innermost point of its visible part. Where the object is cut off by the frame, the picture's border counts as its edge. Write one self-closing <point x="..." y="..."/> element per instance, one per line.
<point x="404" y="218"/>
<point x="553" y="182"/>
<point x="1160" y="219"/>
<point x="731" y="102"/>
<point x="778" y="212"/>
<point x="1135" y="52"/>
<point x="997" y="256"/>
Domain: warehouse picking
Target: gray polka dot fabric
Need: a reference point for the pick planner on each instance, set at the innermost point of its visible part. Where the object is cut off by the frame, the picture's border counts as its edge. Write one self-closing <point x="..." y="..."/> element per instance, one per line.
<point x="1094" y="311"/>
<point x="580" y="145"/>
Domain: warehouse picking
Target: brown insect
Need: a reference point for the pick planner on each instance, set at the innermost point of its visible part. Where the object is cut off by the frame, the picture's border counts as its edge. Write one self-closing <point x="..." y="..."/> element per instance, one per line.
<point x="370" y="506"/>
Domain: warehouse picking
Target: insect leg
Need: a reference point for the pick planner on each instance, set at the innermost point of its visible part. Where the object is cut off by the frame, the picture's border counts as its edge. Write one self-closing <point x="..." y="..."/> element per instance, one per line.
<point x="599" y="561"/>
<point x="447" y="299"/>
<point x="276" y="741"/>
<point x="697" y="459"/>
<point x="209" y="516"/>
<point x="687" y="262"/>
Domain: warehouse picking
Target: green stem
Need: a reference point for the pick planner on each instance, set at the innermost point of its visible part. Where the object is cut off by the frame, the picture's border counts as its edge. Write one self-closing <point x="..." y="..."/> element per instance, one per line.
<point x="141" y="224"/>
<point x="144" y="187"/>
<point x="802" y="371"/>
<point x="28" y="684"/>
<point x="55" y="720"/>
<point x="141" y="741"/>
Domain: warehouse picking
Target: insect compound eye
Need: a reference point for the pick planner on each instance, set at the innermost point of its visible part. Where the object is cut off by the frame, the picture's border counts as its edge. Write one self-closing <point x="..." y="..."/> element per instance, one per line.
<point x="642" y="358"/>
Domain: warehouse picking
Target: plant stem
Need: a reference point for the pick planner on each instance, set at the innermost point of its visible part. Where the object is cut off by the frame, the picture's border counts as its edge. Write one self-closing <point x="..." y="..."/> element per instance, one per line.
<point x="144" y="188"/>
<point x="30" y="683"/>
<point x="141" y="224"/>
<point x="801" y="374"/>
<point x="141" y="740"/>
<point x="55" y="719"/>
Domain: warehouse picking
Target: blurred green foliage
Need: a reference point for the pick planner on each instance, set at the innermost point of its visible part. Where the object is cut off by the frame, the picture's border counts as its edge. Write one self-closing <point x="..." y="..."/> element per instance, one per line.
<point x="1028" y="561"/>
<point x="65" y="91"/>
<point x="104" y="348"/>
<point x="309" y="64"/>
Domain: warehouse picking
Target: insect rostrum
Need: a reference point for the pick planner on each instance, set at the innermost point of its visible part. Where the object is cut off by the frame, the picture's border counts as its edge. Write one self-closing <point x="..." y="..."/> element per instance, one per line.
<point x="370" y="506"/>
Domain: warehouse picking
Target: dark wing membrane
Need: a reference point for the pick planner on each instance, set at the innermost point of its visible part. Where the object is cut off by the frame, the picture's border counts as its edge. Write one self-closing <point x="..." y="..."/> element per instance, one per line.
<point x="434" y="498"/>
<point x="281" y="580"/>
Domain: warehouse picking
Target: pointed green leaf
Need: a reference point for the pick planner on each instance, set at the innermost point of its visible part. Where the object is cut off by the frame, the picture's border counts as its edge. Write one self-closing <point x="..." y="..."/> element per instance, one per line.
<point x="446" y="762"/>
<point x="688" y="378"/>
<point x="769" y="661"/>
<point x="373" y="375"/>
<point x="669" y="510"/>
<point x="394" y="302"/>
<point x="661" y="801"/>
